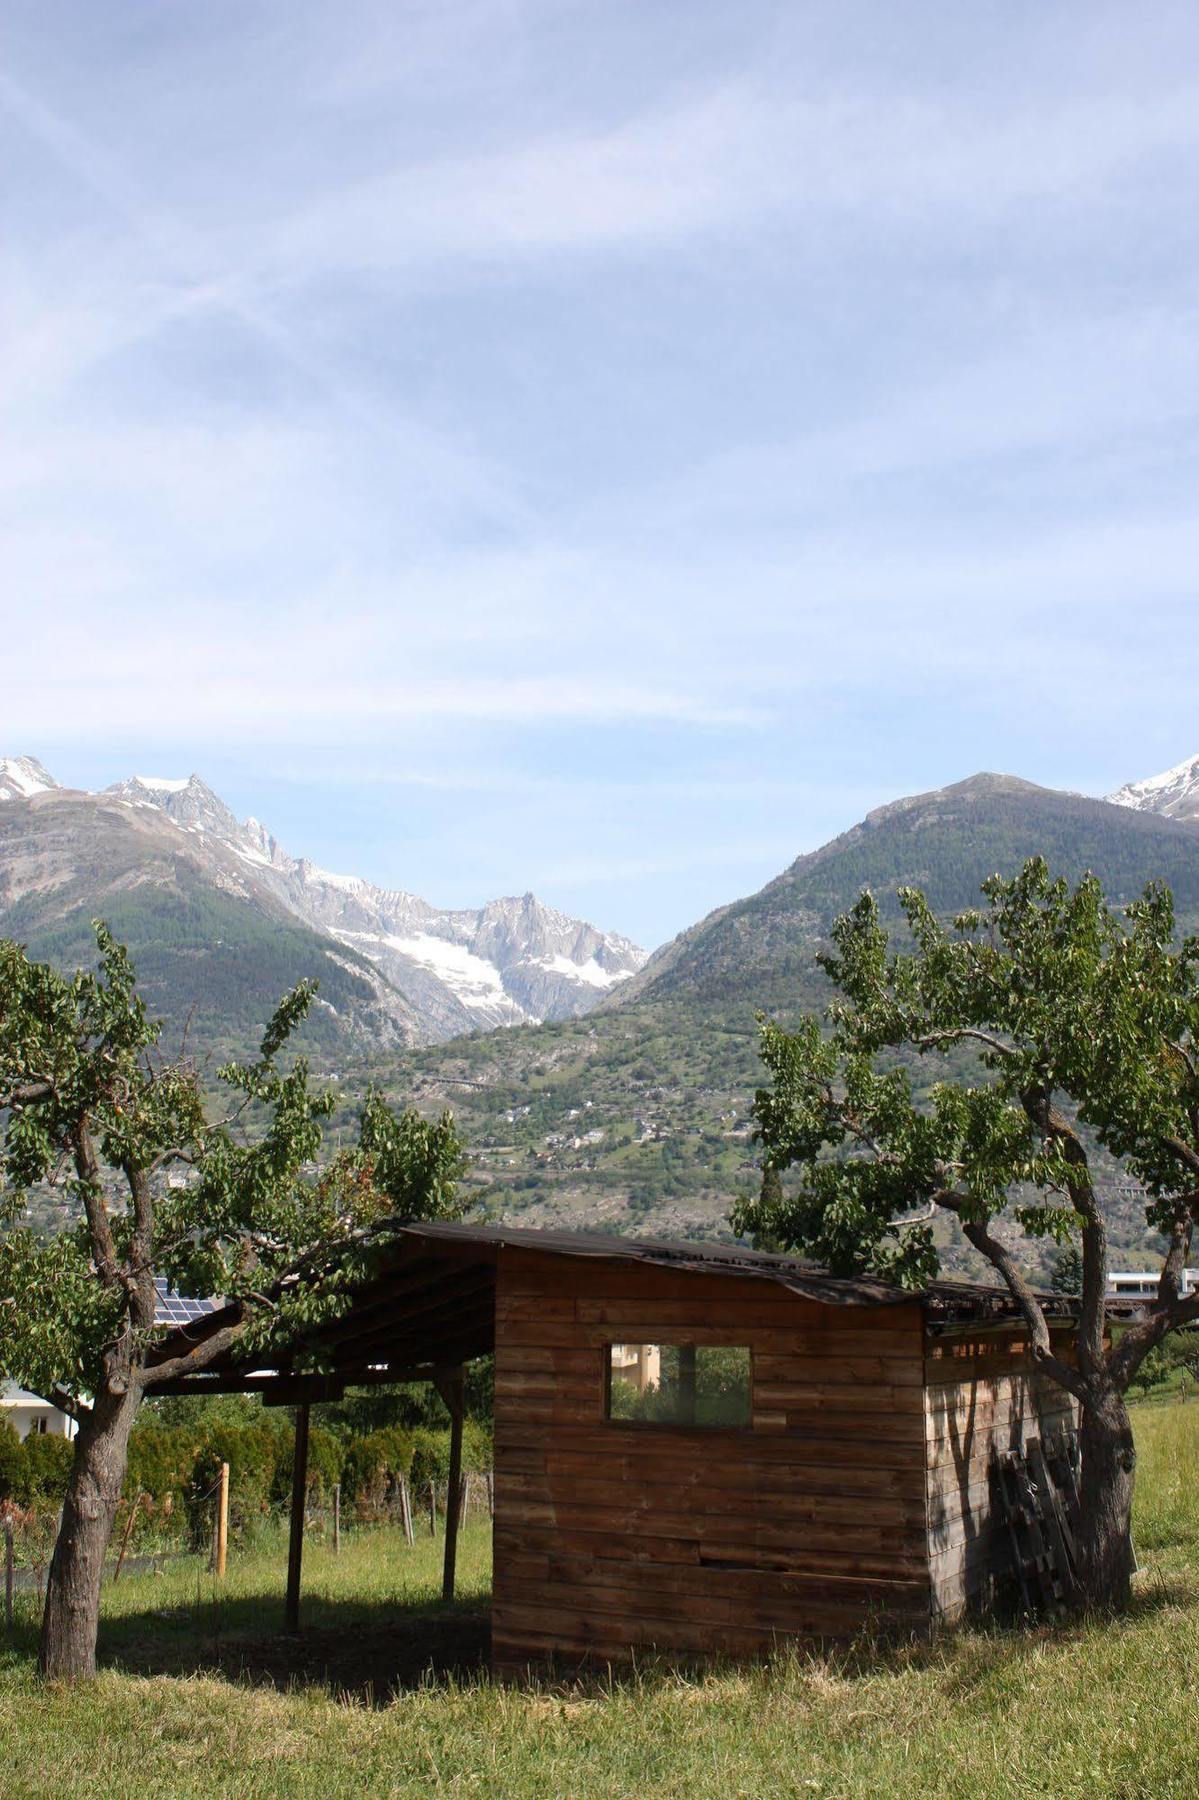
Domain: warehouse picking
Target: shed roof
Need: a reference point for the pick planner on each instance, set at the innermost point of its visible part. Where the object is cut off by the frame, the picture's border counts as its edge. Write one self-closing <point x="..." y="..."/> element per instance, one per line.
<point x="431" y="1301"/>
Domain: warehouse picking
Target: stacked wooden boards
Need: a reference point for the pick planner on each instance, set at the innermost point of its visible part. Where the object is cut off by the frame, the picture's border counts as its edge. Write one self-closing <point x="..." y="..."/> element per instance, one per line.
<point x="983" y="1398"/>
<point x="859" y="1500"/>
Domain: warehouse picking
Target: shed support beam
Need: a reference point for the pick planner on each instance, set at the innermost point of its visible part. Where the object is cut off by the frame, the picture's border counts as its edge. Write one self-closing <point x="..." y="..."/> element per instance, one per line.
<point x="450" y="1387"/>
<point x="299" y="1494"/>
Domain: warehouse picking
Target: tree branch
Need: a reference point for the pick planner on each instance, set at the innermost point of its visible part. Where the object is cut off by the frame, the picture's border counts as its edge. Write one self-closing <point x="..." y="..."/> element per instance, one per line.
<point x="41" y="1088"/>
<point x="87" y="1168"/>
<point x="1021" y="1291"/>
<point x="1171" y="1311"/>
<point x="952" y="1034"/>
<point x="193" y="1361"/>
<point x="176" y="1153"/>
<point x="1183" y="1153"/>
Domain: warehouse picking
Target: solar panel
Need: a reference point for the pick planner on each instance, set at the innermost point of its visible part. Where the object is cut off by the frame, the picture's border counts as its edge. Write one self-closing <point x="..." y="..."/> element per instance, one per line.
<point x="178" y="1309"/>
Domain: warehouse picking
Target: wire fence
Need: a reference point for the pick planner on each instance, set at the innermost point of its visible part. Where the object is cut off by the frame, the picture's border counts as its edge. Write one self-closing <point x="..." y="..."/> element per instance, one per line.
<point x="149" y="1533"/>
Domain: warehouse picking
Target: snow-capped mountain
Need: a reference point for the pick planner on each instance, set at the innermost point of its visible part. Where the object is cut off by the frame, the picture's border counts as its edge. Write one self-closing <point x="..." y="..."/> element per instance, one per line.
<point x="23" y="776"/>
<point x="508" y="962"/>
<point x="1175" y="792"/>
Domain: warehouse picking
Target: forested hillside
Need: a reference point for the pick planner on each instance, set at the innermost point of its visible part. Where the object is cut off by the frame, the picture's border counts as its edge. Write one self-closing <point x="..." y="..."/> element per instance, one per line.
<point x="638" y="1117"/>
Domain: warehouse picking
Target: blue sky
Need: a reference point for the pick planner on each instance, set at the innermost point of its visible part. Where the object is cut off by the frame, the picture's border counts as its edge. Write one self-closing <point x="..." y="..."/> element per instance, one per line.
<point x="597" y="446"/>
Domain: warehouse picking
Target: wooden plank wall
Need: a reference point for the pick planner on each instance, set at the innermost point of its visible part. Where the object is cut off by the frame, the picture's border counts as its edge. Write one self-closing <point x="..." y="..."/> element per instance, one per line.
<point x="982" y="1395"/>
<point x="612" y="1538"/>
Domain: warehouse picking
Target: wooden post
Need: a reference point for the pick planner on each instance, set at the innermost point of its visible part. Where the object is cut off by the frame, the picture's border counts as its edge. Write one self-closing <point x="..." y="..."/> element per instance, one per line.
<point x="8" y="1572"/>
<point x="450" y="1388"/>
<point x="490" y="1495"/>
<point x="299" y="1496"/>
<point x="406" y="1512"/>
<point x="432" y="1509"/>
<point x="125" y="1537"/>
<point x="222" y="1521"/>
<point x="337" y="1519"/>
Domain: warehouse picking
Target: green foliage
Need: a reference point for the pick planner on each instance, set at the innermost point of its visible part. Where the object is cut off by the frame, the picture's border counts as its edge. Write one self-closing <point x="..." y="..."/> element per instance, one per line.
<point x="161" y="1460"/>
<point x="431" y="1453"/>
<point x="415" y="1164"/>
<point x="1082" y="1020"/>
<point x="326" y="1453"/>
<point x="12" y="1461"/>
<point x="375" y="1463"/>
<point x="87" y="1099"/>
<point x="47" y="1465"/>
<point x="1066" y="1276"/>
<point x="253" y="1454"/>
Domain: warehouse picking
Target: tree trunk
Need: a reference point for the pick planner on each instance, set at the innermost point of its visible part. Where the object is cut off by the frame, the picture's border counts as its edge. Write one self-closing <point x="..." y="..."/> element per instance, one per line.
<point x="1105" y="1502"/>
<point x="72" y="1616"/>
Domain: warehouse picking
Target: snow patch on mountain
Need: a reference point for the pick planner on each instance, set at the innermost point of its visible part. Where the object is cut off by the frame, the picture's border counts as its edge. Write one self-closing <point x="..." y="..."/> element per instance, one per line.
<point x="590" y="971"/>
<point x="1175" y="792"/>
<point x="23" y="776"/>
<point x="509" y="962"/>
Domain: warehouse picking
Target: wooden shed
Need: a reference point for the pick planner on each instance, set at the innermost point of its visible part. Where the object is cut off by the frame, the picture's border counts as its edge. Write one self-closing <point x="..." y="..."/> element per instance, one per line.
<point x="702" y="1450"/>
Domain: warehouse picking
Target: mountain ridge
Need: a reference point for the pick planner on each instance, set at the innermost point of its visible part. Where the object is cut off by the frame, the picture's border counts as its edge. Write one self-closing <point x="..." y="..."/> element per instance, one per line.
<point x="442" y="971"/>
<point x="1174" y="793"/>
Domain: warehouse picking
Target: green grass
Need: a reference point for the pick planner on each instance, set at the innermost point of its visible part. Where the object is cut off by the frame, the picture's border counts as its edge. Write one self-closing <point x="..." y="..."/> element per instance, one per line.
<point x="1104" y="1708"/>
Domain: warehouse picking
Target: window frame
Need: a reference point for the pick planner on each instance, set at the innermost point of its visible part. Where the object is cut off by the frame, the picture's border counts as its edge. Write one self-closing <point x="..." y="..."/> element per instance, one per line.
<point x="607" y="1416"/>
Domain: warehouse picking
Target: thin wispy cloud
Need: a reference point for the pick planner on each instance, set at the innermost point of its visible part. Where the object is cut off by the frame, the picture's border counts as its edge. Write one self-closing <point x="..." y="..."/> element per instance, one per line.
<point x="621" y="443"/>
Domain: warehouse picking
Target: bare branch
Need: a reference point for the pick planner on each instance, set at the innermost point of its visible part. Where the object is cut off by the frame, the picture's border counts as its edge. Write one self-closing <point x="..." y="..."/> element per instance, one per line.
<point x="1183" y="1153"/>
<point x="87" y="1167"/>
<point x="1001" y="1258"/>
<point x="952" y="1034"/>
<point x="199" y="1357"/>
<point x="29" y="1092"/>
<point x="176" y="1153"/>
<point x="1171" y="1310"/>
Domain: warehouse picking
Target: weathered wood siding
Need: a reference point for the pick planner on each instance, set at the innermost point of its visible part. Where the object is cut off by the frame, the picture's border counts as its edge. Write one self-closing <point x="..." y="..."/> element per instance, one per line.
<point x="982" y="1396"/>
<point x="611" y="1538"/>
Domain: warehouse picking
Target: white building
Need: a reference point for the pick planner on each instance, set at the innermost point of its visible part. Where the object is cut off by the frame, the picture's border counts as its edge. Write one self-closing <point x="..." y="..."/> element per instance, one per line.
<point x="33" y="1416"/>
<point x="1142" y="1284"/>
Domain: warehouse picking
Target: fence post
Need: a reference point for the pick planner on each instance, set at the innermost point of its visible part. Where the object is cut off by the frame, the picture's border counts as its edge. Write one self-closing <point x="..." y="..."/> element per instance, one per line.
<point x="125" y="1537"/>
<point x="337" y="1518"/>
<point x="8" y="1571"/>
<point x="406" y="1511"/>
<point x="222" y="1521"/>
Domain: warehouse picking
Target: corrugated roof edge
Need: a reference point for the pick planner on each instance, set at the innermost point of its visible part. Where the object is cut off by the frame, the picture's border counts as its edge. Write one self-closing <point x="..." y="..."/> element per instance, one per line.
<point x="944" y="1299"/>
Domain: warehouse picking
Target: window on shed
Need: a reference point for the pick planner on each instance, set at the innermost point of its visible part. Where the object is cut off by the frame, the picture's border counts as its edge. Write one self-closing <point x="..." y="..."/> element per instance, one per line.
<point x="699" y="1385"/>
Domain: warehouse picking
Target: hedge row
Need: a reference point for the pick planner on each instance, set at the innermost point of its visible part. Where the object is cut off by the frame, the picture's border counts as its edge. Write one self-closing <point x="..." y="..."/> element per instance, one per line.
<point x="178" y="1466"/>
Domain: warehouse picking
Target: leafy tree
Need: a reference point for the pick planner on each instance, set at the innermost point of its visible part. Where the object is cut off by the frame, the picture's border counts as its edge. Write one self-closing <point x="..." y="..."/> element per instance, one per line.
<point x="1066" y="1273"/>
<point x="1086" y="1026"/>
<point x="90" y="1105"/>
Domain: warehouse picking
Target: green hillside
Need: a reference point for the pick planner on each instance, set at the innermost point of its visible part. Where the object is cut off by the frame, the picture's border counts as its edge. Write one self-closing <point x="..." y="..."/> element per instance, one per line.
<point x="212" y="952"/>
<point x="211" y="964"/>
<point x="667" y="1069"/>
<point x="947" y="843"/>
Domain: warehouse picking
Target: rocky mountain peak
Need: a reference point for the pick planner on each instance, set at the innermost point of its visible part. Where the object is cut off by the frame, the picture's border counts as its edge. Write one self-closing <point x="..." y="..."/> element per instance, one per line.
<point x="1174" y="793"/>
<point x="504" y="963"/>
<point x="191" y="803"/>
<point x="23" y="776"/>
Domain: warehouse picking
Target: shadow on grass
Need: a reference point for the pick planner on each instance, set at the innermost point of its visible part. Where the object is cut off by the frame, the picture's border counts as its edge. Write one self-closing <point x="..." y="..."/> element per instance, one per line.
<point x="362" y="1651"/>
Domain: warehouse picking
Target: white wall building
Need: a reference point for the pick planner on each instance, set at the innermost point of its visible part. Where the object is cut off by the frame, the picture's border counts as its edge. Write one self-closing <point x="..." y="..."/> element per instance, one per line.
<point x="32" y="1415"/>
<point x="1142" y="1284"/>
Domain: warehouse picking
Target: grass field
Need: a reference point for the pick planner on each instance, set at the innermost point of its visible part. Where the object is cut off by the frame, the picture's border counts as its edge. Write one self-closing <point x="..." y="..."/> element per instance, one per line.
<point x="1107" y="1709"/>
